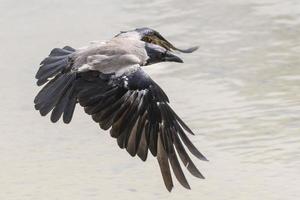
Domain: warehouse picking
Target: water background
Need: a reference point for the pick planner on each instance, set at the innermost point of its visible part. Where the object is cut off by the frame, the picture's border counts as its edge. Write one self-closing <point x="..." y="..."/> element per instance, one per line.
<point x="240" y="93"/>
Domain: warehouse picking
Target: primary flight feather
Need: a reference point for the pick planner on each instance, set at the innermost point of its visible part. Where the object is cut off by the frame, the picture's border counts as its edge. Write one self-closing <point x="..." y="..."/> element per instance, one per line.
<point x="107" y="79"/>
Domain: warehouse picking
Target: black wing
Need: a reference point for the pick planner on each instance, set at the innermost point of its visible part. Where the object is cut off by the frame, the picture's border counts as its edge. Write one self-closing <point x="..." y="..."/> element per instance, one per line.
<point x="137" y="111"/>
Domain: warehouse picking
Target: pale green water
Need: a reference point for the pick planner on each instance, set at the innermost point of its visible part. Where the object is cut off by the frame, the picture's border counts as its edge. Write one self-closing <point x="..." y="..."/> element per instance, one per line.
<point x="240" y="92"/>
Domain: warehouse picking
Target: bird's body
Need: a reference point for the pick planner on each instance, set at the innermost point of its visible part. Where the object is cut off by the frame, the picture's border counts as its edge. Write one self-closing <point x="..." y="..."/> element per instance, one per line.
<point x="111" y="56"/>
<point x="107" y="79"/>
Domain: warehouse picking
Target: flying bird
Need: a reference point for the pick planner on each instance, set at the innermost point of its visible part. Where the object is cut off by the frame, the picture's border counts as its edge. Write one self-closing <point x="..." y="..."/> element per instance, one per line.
<point x="107" y="79"/>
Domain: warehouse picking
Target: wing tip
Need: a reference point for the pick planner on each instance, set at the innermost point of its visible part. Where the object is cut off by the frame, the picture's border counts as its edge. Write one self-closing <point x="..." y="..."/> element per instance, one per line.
<point x="202" y="157"/>
<point x="170" y="187"/>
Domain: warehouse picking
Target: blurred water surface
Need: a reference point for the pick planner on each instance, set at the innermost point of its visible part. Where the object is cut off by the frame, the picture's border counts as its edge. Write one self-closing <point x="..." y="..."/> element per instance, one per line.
<point x="239" y="92"/>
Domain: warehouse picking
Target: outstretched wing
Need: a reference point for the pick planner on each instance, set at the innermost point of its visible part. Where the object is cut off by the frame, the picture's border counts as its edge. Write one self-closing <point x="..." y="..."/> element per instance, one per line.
<point x="137" y="111"/>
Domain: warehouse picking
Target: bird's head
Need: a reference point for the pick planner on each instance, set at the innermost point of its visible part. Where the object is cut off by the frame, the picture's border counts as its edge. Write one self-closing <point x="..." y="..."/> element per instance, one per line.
<point x="158" y="54"/>
<point x="154" y="37"/>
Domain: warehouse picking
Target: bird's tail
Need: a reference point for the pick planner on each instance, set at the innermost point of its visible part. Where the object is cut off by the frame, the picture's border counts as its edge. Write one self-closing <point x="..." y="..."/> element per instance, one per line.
<point x="58" y="94"/>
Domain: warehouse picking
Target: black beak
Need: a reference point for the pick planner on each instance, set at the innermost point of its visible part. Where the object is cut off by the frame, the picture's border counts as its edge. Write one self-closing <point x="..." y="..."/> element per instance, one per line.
<point x="170" y="57"/>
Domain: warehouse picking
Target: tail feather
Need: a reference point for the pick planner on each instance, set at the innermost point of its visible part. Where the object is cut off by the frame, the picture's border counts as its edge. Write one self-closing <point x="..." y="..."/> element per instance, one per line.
<point x="58" y="94"/>
<point x="56" y="62"/>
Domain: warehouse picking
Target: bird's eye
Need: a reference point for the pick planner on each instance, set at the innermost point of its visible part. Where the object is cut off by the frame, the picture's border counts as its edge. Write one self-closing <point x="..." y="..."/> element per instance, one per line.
<point x="147" y="39"/>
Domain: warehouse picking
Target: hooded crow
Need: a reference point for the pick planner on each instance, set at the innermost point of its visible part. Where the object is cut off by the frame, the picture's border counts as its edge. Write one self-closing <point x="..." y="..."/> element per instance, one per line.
<point x="107" y="79"/>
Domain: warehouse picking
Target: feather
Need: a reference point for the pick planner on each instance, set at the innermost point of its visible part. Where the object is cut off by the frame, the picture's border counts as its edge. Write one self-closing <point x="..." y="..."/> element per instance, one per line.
<point x="185" y="157"/>
<point x="140" y="129"/>
<point x="189" y="144"/>
<point x="132" y="115"/>
<point x="52" y="59"/>
<point x="106" y="116"/>
<point x="143" y="146"/>
<point x="174" y="161"/>
<point x="60" y="106"/>
<point x="153" y="138"/>
<point x="55" y="92"/>
<point x="60" y="52"/>
<point x="124" y="106"/>
<point x="41" y="82"/>
<point x="163" y="162"/>
<point x="116" y="127"/>
<point x="40" y="96"/>
<point x="46" y="70"/>
<point x="68" y="48"/>
<point x="69" y="109"/>
<point x="131" y="145"/>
